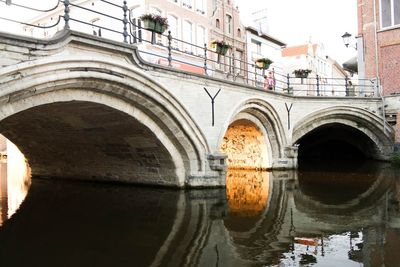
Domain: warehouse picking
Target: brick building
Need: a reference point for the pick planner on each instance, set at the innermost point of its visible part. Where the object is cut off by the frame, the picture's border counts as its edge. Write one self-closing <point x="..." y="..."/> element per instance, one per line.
<point x="379" y="42"/>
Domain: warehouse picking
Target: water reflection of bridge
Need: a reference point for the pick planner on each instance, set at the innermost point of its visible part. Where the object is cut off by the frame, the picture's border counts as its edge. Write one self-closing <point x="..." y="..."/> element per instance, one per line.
<point x="258" y="221"/>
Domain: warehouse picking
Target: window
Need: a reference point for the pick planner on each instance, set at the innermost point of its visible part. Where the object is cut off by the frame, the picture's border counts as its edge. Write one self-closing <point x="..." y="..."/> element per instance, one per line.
<point x="136" y="24"/>
<point x="187" y="3"/>
<point x="228" y="24"/>
<point x="255" y="46"/>
<point x="239" y="33"/>
<point x="200" y="6"/>
<point x="217" y="24"/>
<point x="187" y="36"/>
<point x="239" y="62"/>
<point x="173" y="27"/>
<point x="155" y="11"/>
<point x="390" y="13"/>
<point x="201" y="39"/>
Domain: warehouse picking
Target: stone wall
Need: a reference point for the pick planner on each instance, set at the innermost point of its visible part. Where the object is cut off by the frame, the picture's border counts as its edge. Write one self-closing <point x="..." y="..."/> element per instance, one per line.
<point x="245" y="146"/>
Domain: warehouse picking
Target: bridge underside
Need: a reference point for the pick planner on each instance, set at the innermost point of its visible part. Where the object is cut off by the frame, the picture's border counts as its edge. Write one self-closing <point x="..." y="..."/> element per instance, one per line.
<point x="336" y="142"/>
<point x="89" y="141"/>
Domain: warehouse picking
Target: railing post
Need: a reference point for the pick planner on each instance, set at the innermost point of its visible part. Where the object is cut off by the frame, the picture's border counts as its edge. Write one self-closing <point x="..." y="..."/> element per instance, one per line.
<point x="125" y="22"/>
<point x="317" y="85"/>
<point x="205" y="59"/>
<point x="66" y="14"/>
<point x="273" y="76"/>
<point x="288" y="82"/>
<point x="169" y="49"/>
<point x="255" y="75"/>
<point x="346" y="86"/>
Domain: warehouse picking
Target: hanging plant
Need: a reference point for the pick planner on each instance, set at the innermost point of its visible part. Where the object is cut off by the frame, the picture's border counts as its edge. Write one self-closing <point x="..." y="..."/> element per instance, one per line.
<point x="154" y="22"/>
<point x="220" y="47"/>
<point x="301" y="73"/>
<point x="263" y="63"/>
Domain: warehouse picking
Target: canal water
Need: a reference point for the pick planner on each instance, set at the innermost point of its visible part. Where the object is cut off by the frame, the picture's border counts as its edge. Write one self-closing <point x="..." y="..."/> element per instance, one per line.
<point x="336" y="216"/>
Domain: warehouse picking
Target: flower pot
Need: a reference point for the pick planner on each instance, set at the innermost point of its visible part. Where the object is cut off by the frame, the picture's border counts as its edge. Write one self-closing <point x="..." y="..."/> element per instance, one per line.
<point x="160" y="28"/>
<point x="262" y="65"/>
<point x="149" y="24"/>
<point x="301" y="75"/>
<point x="222" y="49"/>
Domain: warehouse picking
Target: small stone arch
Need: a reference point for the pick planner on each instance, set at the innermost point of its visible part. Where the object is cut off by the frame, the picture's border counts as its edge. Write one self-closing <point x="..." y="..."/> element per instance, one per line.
<point x="261" y="114"/>
<point x="378" y="132"/>
<point x="118" y="87"/>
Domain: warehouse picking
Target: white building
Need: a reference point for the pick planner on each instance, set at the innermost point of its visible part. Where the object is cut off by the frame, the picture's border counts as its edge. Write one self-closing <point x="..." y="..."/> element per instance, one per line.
<point x="326" y="77"/>
<point x="261" y="45"/>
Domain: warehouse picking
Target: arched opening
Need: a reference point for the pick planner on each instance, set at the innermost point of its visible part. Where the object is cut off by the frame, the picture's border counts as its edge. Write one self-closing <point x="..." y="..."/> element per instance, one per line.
<point x="344" y="135"/>
<point x="336" y="141"/>
<point x="15" y="178"/>
<point x="91" y="141"/>
<point x="135" y="98"/>
<point x="245" y="145"/>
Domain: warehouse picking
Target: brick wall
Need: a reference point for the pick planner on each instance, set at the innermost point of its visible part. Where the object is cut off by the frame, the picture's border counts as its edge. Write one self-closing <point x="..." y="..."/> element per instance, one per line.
<point x="388" y="47"/>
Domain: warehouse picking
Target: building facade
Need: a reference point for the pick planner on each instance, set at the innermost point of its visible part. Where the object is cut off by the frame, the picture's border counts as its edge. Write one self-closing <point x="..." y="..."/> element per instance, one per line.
<point x="379" y="52"/>
<point x="261" y="45"/>
<point x="379" y="43"/>
<point x="193" y="25"/>
<point x="325" y="75"/>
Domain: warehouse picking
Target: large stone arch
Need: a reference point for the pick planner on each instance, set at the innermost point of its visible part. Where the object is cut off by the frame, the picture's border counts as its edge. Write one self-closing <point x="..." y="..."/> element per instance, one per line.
<point x="264" y="116"/>
<point x="379" y="133"/>
<point x="118" y="87"/>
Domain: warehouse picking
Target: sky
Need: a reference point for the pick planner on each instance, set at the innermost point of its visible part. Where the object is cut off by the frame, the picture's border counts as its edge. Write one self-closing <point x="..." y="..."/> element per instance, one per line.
<point x="291" y="21"/>
<point x="296" y="21"/>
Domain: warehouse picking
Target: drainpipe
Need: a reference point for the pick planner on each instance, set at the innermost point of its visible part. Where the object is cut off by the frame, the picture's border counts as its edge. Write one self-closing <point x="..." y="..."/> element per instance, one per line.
<point x="378" y="80"/>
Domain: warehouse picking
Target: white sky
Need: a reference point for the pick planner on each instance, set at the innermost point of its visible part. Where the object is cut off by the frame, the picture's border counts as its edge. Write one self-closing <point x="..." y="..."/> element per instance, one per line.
<point x="295" y="21"/>
<point x="291" y="21"/>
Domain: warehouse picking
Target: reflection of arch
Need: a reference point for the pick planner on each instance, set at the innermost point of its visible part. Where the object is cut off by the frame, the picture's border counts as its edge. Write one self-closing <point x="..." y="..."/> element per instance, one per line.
<point x="265" y="117"/>
<point x="359" y="119"/>
<point x="260" y="236"/>
<point x="247" y="192"/>
<point x="363" y="200"/>
<point x="118" y="88"/>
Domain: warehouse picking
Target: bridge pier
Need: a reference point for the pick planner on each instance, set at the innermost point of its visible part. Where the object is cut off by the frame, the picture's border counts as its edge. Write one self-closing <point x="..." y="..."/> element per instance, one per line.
<point x="289" y="161"/>
<point x="218" y="167"/>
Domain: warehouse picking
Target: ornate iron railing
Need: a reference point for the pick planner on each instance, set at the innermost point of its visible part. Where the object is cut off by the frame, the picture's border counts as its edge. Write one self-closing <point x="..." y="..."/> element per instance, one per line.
<point x="170" y="51"/>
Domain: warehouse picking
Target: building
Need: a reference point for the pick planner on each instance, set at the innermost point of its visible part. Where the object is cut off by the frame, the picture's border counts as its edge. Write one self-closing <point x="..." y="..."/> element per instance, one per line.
<point x="193" y="25"/>
<point x="226" y="26"/>
<point x="378" y="43"/>
<point x="322" y="80"/>
<point x="188" y="23"/>
<point x="261" y="45"/>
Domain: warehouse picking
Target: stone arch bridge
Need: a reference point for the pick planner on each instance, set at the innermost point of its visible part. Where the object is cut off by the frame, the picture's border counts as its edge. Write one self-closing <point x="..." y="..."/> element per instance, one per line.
<point x="84" y="107"/>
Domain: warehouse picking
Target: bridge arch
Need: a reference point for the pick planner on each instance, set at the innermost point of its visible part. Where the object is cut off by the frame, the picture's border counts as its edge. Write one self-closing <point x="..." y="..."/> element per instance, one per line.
<point x="158" y="129"/>
<point x="258" y="116"/>
<point x="359" y="127"/>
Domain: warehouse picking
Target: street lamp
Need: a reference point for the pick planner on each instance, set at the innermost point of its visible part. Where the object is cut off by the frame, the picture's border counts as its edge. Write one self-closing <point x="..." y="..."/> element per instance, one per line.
<point x="346" y="39"/>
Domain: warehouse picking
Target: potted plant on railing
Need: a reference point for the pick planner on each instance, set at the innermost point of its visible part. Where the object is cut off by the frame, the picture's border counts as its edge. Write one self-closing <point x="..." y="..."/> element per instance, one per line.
<point x="220" y="47"/>
<point x="263" y="63"/>
<point x="154" y="22"/>
<point x="301" y="73"/>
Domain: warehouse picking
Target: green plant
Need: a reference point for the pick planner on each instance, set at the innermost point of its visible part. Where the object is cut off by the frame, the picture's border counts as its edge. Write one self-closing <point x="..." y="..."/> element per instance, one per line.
<point x="302" y="73"/>
<point x="263" y="63"/>
<point x="154" y="22"/>
<point x="221" y="47"/>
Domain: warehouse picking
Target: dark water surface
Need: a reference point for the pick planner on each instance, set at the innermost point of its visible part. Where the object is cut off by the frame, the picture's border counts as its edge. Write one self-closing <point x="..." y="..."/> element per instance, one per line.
<point x="323" y="217"/>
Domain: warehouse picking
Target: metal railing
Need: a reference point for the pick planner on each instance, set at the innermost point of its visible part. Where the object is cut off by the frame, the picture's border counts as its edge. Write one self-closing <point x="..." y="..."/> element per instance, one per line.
<point x="167" y="50"/>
